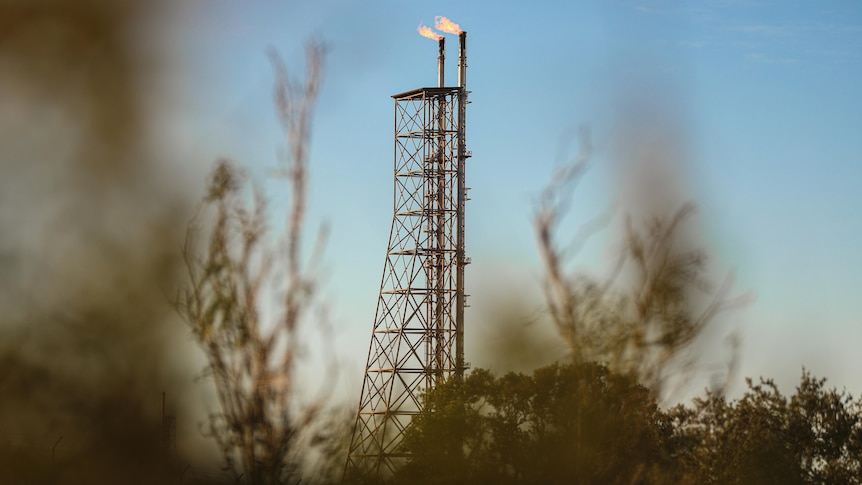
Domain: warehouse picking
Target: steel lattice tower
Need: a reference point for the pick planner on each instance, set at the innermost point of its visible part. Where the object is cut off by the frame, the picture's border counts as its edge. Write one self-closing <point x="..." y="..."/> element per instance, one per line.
<point x="418" y="335"/>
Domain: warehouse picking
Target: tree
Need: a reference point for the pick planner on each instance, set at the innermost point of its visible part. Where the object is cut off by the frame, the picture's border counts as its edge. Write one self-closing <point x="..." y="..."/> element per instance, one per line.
<point x="565" y="423"/>
<point x="585" y="424"/>
<point x="253" y="359"/>
<point x="813" y="437"/>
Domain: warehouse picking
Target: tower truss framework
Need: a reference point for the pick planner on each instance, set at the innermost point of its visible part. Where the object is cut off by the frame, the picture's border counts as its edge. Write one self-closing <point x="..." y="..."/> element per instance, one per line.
<point x="418" y="335"/>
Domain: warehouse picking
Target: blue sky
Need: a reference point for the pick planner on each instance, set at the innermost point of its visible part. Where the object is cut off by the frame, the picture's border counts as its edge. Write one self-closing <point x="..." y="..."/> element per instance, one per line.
<point x="760" y="100"/>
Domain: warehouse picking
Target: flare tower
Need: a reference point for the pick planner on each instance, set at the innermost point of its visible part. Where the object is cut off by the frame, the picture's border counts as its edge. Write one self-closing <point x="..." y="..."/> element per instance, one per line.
<point x="417" y="339"/>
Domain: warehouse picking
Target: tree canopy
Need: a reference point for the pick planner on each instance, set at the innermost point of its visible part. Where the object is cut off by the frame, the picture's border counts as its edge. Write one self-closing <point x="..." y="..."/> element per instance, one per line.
<point x="582" y="423"/>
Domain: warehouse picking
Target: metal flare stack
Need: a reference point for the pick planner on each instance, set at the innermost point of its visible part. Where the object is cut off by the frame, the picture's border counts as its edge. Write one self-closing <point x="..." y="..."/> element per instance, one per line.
<point x="417" y="341"/>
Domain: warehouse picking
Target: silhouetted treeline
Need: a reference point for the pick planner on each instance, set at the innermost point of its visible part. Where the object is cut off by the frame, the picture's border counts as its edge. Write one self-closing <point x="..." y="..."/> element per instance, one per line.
<point x="583" y="424"/>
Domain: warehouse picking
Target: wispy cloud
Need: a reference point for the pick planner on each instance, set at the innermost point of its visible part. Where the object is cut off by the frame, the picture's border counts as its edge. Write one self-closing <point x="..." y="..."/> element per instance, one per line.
<point x="690" y="44"/>
<point x="835" y="29"/>
<point x="766" y="59"/>
<point x="757" y="32"/>
<point x="765" y="29"/>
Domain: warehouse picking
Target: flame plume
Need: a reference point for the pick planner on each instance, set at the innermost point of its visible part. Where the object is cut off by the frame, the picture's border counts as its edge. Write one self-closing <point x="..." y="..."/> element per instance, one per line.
<point x="445" y="25"/>
<point x="427" y="32"/>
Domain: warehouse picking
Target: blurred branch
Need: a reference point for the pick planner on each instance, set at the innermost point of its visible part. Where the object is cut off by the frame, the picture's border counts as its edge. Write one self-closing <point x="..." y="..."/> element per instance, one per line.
<point x="645" y="326"/>
<point x="252" y="359"/>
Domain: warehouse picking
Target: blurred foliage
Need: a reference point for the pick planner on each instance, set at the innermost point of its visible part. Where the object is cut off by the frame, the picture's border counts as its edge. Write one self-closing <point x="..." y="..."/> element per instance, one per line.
<point x="643" y="317"/>
<point x="88" y="237"/>
<point x="247" y="298"/>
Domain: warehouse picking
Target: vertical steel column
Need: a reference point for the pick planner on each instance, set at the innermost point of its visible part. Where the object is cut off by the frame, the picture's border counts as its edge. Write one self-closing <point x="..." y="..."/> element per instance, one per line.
<point x="462" y="201"/>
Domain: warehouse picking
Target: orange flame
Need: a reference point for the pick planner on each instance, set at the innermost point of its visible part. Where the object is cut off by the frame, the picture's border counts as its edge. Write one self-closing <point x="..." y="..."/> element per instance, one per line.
<point x="427" y="32"/>
<point x="445" y="25"/>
